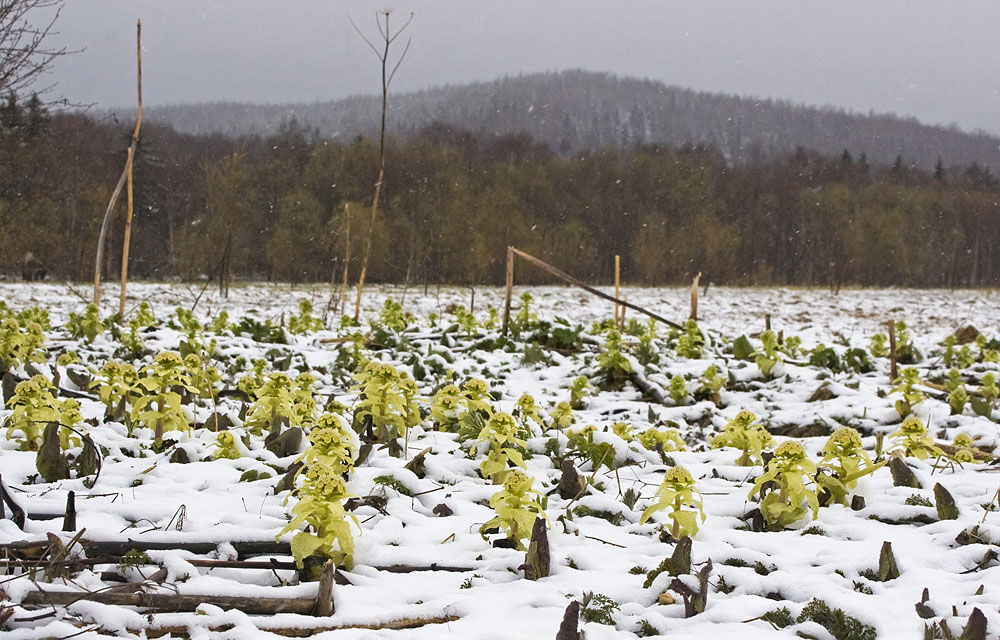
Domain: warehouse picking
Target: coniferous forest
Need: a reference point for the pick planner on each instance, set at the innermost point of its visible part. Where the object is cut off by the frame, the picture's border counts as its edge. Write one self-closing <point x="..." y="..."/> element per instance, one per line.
<point x="286" y="207"/>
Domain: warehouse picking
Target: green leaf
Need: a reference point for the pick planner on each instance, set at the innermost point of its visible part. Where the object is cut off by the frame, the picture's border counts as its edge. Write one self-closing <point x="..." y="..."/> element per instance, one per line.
<point x="742" y="349"/>
<point x="303" y="545"/>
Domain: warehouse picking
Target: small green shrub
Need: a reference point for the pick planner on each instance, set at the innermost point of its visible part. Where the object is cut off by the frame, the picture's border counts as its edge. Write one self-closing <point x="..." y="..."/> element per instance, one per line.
<point x="678" y="494"/>
<point x="744" y="433"/>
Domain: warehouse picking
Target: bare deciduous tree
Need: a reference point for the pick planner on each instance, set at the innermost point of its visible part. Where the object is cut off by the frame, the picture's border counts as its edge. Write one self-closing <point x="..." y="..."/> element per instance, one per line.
<point x="388" y="37"/>
<point x="24" y="55"/>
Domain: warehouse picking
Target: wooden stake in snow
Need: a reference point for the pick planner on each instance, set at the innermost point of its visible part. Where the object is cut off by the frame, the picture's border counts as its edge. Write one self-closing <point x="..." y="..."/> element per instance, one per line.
<point x="126" y="174"/>
<point x="324" y="595"/>
<point x="893" y="367"/>
<point x="565" y="277"/>
<point x="694" y="297"/>
<point x="619" y="320"/>
<point x="130" y="164"/>
<point x="510" y="288"/>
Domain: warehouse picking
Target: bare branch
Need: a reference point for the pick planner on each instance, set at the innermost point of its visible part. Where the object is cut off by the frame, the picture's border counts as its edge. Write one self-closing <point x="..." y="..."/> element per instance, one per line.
<point x="24" y="58"/>
<point x="402" y="29"/>
<point x="363" y="37"/>
<point x="398" y="62"/>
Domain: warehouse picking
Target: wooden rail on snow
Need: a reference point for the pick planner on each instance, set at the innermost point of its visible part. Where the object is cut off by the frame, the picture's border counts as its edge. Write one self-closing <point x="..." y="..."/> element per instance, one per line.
<point x="565" y="277"/>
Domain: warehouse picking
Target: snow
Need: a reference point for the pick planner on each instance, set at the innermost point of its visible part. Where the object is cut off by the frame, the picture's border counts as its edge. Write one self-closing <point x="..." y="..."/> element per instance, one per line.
<point x="139" y="493"/>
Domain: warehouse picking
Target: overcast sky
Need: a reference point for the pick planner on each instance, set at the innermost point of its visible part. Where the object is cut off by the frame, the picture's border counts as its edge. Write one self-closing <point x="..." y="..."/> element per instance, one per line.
<point x="938" y="60"/>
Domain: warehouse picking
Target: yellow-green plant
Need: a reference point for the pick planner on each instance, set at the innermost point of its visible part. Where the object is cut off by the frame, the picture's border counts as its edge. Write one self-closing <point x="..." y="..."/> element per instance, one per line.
<point x="562" y="416"/>
<point x="744" y="433"/>
<point x="525" y="319"/>
<point x="86" y="326"/>
<point x="388" y="403"/>
<point x="646" y="352"/>
<point x="204" y="376"/>
<point x="320" y="507"/>
<point x="961" y="356"/>
<point x="768" y="355"/>
<point x="36" y="314"/>
<point x="906" y="353"/>
<point x="115" y="383"/>
<point x="305" y="320"/>
<point x="446" y="405"/>
<point x="906" y="385"/>
<point x="878" y="346"/>
<point x="517" y="505"/>
<point x="282" y="402"/>
<point x="476" y="409"/>
<point x="492" y="318"/>
<point x="505" y="447"/>
<point x="250" y="382"/>
<point x="582" y="443"/>
<point x="34" y="407"/>
<point x="331" y="443"/>
<point x="665" y="440"/>
<point x="712" y="383"/>
<point x="790" y="346"/>
<point x="393" y="317"/>
<point x="157" y="404"/>
<point x="527" y="413"/>
<point x="989" y="389"/>
<point x="227" y="446"/>
<point x="988" y="392"/>
<point x="578" y="390"/>
<point x="690" y="342"/>
<point x="623" y="431"/>
<point x="844" y="454"/>
<point x="678" y="494"/>
<point x="67" y="358"/>
<point x="466" y="320"/>
<point x="220" y="323"/>
<point x="20" y="344"/>
<point x="963" y="444"/>
<point x="784" y="497"/>
<point x="678" y="390"/>
<point x="612" y="364"/>
<point x="132" y="344"/>
<point x="912" y="440"/>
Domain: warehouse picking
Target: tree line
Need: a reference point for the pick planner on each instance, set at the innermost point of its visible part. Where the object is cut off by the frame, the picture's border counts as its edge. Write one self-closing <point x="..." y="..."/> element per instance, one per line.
<point x="287" y="207"/>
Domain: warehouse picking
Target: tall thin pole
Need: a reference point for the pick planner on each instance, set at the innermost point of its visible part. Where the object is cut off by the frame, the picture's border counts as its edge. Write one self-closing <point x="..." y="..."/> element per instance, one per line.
<point x="130" y="164"/>
<point x="510" y="289"/>
<point x="618" y="307"/>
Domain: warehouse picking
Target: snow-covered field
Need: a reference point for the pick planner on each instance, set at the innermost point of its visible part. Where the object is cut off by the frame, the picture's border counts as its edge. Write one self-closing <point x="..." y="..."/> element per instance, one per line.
<point x="598" y="545"/>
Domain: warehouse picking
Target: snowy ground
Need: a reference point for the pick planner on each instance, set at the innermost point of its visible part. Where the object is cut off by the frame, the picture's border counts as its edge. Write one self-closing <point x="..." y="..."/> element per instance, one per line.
<point x="834" y="558"/>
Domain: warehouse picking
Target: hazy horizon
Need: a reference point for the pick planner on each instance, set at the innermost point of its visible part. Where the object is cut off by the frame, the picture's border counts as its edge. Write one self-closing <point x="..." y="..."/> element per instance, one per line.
<point x="934" y="62"/>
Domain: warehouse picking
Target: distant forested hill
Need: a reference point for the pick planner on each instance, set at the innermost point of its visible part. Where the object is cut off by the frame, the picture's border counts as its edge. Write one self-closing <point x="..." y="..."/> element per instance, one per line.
<point x="575" y="110"/>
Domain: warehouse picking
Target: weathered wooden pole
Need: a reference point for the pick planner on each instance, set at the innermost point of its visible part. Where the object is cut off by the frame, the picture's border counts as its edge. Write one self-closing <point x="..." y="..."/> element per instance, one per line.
<point x="893" y="366"/>
<point x="130" y="164"/>
<point x="619" y="321"/>
<point x="510" y="289"/>
<point x="694" y="297"/>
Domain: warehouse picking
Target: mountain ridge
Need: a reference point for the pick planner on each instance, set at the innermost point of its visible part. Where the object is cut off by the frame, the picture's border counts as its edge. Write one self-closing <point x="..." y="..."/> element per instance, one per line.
<point x="575" y="110"/>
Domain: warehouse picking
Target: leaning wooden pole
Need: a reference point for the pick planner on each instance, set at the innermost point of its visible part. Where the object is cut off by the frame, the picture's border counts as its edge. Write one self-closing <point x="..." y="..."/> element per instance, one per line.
<point x="107" y="213"/>
<point x="130" y="164"/>
<point x="565" y="277"/>
<point x="510" y="289"/>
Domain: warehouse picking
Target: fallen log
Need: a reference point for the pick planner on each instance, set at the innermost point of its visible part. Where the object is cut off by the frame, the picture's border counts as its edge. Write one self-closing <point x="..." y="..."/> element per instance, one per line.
<point x="243" y="549"/>
<point x="171" y="602"/>
<point x="301" y="632"/>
